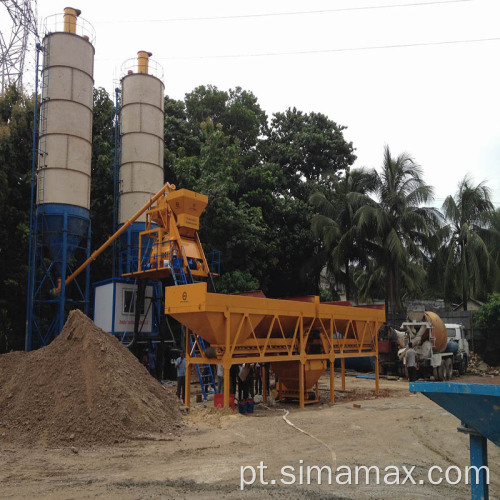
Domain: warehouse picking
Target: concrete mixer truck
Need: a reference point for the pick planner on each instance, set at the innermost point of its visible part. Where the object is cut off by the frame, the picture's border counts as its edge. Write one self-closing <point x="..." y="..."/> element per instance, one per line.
<point x="440" y="348"/>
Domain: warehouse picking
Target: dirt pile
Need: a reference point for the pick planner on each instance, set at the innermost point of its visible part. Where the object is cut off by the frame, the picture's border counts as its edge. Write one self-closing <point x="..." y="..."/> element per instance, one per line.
<point x="478" y="367"/>
<point x="84" y="387"/>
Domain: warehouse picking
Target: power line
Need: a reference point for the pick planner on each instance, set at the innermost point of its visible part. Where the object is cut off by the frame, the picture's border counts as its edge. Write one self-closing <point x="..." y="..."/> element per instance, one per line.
<point x="322" y="51"/>
<point x="276" y="14"/>
<point x="325" y="51"/>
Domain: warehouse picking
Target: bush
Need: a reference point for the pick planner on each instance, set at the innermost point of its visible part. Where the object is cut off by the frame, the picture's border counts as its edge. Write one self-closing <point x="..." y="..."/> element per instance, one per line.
<point x="487" y="321"/>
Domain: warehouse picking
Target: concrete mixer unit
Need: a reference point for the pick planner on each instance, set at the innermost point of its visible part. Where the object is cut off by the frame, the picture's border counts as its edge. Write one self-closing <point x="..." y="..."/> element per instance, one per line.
<point x="440" y="348"/>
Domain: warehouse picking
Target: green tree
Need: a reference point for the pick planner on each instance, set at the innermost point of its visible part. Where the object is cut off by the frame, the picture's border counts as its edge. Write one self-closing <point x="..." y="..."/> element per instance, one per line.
<point x="229" y="223"/>
<point x="16" y="146"/>
<point x="237" y="112"/>
<point x="300" y="152"/>
<point x="464" y="252"/>
<point x="180" y="138"/>
<point x="397" y="228"/>
<point x="487" y="321"/>
<point x="334" y="223"/>
<point x="494" y="247"/>
<point x="101" y="190"/>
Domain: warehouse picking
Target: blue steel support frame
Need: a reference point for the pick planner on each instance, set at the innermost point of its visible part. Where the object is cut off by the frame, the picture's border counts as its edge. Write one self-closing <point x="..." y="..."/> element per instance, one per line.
<point x="62" y="295"/>
<point x="31" y="253"/>
<point x="87" y="272"/>
<point x="479" y="458"/>
<point x="478" y="407"/>
<point x="115" y="173"/>
<point x="47" y="314"/>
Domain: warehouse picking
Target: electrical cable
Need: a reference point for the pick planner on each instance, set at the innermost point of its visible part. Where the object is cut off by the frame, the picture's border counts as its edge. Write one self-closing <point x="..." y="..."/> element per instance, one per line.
<point x="345" y="49"/>
<point x="334" y="455"/>
<point x="278" y="14"/>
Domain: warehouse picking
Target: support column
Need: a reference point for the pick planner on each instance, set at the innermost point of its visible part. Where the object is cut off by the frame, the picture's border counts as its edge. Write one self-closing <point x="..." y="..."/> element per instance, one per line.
<point x="301" y="385"/>
<point x="226" y="360"/>
<point x="377" y="377"/>
<point x="332" y="380"/>
<point x="87" y="273"/>
<point x="264" y="382"/>
<point x="342" y="372"/>
<point x="227" y="383"/>
<point x="62" y="296"/>
<point x="187" y="387"/>
<point x="479" y="458"/>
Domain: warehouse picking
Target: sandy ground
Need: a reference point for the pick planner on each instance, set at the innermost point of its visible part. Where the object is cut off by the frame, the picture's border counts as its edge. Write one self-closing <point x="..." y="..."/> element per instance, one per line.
<point x="205" y="462"/>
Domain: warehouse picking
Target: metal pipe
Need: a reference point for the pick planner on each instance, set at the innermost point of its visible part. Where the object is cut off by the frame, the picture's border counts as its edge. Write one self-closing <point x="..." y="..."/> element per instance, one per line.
<point x="70" y="16"/>
<point x="166" y="188"/>
<point x="143" y="61"/>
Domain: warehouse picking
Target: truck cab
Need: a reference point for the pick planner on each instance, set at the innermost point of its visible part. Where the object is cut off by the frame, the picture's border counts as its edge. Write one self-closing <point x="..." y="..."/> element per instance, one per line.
<point x="461" y="354"/>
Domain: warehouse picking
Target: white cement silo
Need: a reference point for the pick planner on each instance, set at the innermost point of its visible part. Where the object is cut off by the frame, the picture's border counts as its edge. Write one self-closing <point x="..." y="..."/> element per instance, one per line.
<point x="142" y="143"/>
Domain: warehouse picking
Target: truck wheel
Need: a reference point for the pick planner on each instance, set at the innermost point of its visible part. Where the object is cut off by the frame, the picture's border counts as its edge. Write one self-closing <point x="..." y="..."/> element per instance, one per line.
<point x="441" y="372"/>
<point x="462" y="367"/>
<point x="449" y="368"/>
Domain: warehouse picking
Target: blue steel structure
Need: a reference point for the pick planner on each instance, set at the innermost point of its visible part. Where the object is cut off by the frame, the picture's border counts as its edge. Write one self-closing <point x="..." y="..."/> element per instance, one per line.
<point x="116" y="124"/>
<point x="31" y="274"/>
<point x="478" y="408"/>
<point x="58" y="233"/>
<point x="61" y="234"/>
<point x="126" y="248"/>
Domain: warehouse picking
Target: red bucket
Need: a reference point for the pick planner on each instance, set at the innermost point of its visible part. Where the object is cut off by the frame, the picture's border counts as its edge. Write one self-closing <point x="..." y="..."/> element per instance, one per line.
<point x="219" y="401"/>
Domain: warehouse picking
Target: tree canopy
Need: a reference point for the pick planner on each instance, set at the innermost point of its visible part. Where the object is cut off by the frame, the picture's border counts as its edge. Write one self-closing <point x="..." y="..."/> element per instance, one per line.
<point x="285" y="205"/>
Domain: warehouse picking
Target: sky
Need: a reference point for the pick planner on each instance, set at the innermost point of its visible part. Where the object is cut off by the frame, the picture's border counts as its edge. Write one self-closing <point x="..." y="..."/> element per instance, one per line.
<point x="421" y="76"/>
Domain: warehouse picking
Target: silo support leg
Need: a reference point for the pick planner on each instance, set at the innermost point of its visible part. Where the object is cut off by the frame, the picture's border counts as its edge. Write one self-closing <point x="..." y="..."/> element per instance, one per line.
<point x="377" y="378"/>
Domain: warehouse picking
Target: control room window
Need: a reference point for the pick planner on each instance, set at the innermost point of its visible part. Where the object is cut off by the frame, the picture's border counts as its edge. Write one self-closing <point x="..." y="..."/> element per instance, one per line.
<point x="129" y="302"/>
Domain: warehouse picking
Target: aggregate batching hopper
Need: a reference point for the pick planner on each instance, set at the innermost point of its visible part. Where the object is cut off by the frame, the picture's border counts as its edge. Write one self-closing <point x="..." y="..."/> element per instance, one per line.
<point x="297" y="337"/>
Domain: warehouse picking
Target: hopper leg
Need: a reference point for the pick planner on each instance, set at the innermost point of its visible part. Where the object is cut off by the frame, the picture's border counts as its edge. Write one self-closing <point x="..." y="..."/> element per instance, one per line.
<point x="187" y="386"/>
<point x="301" y="385"/>
<point x="342" y="372"/>
<point x="187" y="396"/>
<point x="227" y="385"/>
<point x="332" y="382"/>
<point x="377" y="381"/>
<point x="264" y="383"/>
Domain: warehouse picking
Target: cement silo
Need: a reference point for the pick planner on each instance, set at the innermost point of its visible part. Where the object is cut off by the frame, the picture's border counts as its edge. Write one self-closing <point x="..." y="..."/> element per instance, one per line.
<point x="142" y="145"/>
<point x="62" y="227"/>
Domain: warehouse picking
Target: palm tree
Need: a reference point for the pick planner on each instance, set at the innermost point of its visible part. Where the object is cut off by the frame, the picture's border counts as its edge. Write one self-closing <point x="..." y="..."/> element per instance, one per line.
<point x="334" y="222"/>
<point x="397" y="228"/>
<point x="466" y="256"/>
<point x="494" y="246"/>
